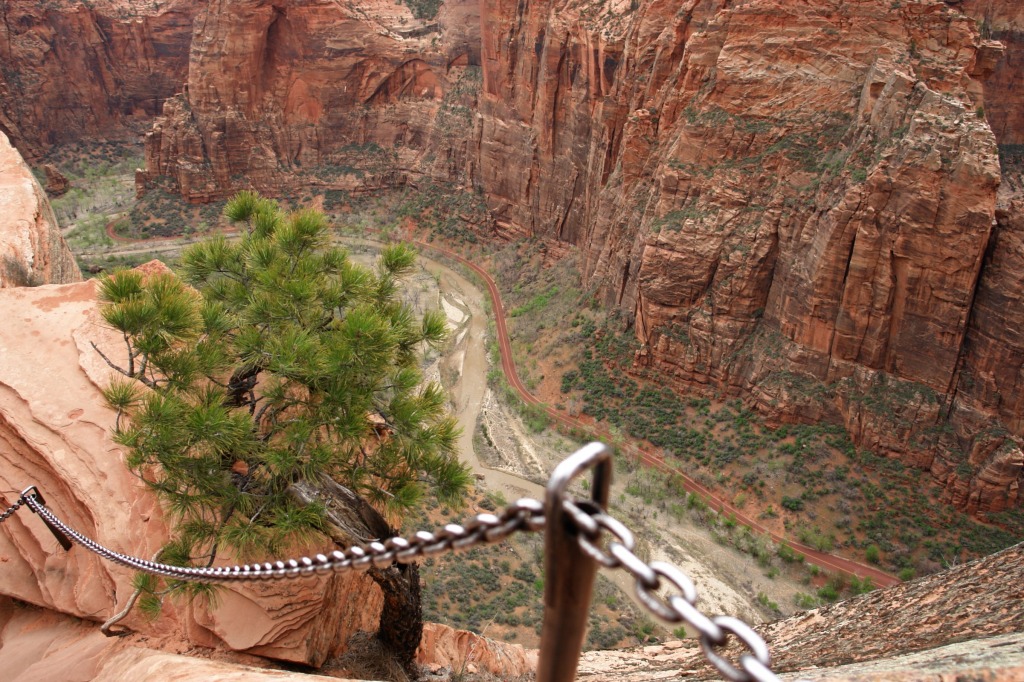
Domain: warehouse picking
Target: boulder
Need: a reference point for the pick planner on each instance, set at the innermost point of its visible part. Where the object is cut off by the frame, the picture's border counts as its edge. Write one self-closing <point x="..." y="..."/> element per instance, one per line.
<point x="56" y="183"/>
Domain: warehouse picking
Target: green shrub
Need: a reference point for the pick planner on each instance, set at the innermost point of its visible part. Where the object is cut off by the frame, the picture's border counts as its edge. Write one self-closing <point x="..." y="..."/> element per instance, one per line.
<point x="788" y="554"/>
<point x="792" y="503"/>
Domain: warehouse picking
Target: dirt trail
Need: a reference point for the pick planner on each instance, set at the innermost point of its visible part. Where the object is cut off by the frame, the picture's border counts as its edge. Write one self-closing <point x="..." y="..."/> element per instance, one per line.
<point x="827" y="561"/>
<point x="727" y="583"/>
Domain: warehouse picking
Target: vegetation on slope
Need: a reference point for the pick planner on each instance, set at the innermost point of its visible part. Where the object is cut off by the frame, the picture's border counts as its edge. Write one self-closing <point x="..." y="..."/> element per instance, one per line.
<point x="287" y="366"/>
<point x="808" y="480"/>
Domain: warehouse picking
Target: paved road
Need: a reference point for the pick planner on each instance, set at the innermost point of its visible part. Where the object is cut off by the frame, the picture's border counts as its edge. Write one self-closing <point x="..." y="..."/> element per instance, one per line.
<point x="829" y="562"/>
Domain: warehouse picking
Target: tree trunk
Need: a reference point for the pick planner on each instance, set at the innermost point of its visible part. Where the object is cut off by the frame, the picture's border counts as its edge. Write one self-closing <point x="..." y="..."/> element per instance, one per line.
<point x="352" y="521"/>
<point x="401" y="621"/>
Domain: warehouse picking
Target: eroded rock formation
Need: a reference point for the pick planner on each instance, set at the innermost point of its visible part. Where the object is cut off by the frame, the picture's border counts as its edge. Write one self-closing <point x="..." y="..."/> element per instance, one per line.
<point x="32" y="250"/>
<point x="977" y="604"/>
<point x="790" y="202"/>
<point x="56" y="183"/>
<point x="74" y="71"/>
<point x="446" y="647"/>
<point x="44" y="645"/>
<point x="1003" y="20"/>
<point x="313" y="92"/>
<point x="55" y="433"/>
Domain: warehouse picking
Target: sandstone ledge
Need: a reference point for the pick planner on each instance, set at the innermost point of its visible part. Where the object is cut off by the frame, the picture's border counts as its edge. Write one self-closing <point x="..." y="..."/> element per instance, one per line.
<point x="55" y="433"/>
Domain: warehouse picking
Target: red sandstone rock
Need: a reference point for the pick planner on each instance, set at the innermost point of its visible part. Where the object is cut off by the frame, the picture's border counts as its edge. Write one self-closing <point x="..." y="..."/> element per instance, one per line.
<point x="32" y="250"/>
<point x="792" y="202"/>
<point x="456" y="649"/>
<point x="56" y="183"/>
<point x="74" y="71"/>
<point x="1002" y="21"/>
<point x="308" y="92"/>
<point x="44" y="645"/>
<point x="55" y="433"/>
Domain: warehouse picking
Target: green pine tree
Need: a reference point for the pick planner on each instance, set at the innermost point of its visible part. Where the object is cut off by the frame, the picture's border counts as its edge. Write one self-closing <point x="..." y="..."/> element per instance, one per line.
<point x="283" y="371"/>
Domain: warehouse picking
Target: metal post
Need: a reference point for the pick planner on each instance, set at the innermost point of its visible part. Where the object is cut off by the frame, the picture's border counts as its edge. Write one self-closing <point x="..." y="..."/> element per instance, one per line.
<point x="31" y="494"/>
<point x="568" y="572"/>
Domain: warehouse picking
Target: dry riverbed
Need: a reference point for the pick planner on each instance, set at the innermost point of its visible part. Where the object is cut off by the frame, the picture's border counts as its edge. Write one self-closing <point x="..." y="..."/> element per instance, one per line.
<point x="510" y="459"/>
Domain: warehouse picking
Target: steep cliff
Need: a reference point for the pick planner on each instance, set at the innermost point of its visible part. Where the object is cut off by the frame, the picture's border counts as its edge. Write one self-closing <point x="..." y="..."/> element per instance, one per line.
<point x="794" y="202"/>
<point x="1003" y="20"/>
<point x="32" y="250"/>
<point x="73" y="71"/>
<point x="314" y="92"/>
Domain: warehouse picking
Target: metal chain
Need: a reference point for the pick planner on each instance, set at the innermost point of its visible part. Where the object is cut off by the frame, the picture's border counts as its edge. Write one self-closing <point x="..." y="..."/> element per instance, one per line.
<point x="680" y="606"/>
<point x="524" y="515"/>
<point x="482" y="529"/>
<point x="10" y="510"/>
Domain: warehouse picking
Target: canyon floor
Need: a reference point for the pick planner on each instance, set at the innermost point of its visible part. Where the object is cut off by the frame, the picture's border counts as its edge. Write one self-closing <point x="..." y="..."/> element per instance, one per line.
<point x="512" y="450"/>
<point x="517" y="460"/>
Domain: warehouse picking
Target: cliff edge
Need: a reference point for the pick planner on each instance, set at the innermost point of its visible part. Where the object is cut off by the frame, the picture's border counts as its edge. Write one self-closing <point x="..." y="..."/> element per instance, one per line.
<point x="32" y="250"/>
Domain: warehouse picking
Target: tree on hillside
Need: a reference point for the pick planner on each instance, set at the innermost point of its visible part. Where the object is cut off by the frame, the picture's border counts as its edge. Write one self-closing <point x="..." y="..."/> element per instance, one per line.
<point x="286" y="376"/>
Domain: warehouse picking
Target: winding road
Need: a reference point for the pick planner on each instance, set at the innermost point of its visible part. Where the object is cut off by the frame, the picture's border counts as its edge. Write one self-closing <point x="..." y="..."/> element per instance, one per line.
<point x="829" y="562"/>
<point x="824" y="560"/>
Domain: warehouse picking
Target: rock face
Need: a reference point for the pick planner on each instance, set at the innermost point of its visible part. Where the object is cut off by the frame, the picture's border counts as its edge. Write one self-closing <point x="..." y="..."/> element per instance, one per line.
<point x="55" y="433"/>
<point x="795" y="203"/>
<point x="32" y="250"/>
<point x="313" y="92"/>
<point x="790" y="202"/>
<point x="43" y="645"/>
<point x="977" y="603"/>
<point x="446" y="647"/>
<point x="74" y="71"/>
<point x="1003" y="20"/>
<point x="56" y="183"/>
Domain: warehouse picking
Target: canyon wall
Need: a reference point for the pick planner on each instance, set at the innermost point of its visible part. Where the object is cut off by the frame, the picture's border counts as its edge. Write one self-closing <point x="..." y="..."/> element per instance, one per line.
<point x="793" y="202"/>
<point x="75" y="71"/>
<point x="317" y="93"/>
<point x="1003" y="20"/>
<point x="32" y="250"/>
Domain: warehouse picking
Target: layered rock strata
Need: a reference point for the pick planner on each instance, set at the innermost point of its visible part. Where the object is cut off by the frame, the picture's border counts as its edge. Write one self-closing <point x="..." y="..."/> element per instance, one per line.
<point x="315" y="92"/>
<point x="32" y="250"/>
<point x="1002" y="20"/>
<point x="55" y="433"/>
<point x="790" y="202"/>
<point x="74" y="71"/>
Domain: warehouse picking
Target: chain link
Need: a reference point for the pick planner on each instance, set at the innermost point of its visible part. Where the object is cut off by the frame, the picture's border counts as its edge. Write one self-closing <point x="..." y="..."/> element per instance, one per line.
<point x="525" y="514"/>
<point x="10" y="510"/>
<point x="679" y="606"/>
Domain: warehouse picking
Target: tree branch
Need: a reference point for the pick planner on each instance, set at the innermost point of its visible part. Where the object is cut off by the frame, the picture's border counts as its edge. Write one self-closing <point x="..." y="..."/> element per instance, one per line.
<point x="114" y="367"/>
